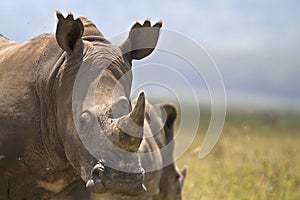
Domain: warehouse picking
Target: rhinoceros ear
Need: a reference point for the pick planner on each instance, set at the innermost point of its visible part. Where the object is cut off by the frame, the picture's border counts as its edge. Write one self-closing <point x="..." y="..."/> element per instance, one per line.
<point x="69" y="33"/>
<point x="169" y="115"/>
<point x="141" y="40"/>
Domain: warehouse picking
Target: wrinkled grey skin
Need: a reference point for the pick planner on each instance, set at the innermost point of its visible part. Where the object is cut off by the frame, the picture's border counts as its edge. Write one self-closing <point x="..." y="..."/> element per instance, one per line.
<point x="41" y="156"/>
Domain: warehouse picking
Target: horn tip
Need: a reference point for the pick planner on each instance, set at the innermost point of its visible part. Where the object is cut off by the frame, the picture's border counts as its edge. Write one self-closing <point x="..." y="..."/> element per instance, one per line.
<point x="141" y="98"/>
<point x="142" y="94"/>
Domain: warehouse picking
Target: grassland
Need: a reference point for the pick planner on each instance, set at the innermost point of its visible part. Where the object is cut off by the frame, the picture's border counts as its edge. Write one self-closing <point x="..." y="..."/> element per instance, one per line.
<point x="257" y="157"/>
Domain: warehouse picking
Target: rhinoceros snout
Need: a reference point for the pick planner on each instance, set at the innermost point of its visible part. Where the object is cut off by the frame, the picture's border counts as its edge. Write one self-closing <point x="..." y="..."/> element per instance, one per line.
<point x="106" y="179"/>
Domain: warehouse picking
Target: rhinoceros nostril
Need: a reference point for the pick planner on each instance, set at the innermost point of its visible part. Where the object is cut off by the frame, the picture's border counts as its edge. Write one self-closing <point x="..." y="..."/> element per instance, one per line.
<point x="93" y="182"/>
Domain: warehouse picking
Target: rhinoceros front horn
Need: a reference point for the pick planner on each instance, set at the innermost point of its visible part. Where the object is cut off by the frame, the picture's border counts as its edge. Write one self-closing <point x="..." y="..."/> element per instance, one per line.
<point x="137" y="114"/>
<point x="131" y="127"/>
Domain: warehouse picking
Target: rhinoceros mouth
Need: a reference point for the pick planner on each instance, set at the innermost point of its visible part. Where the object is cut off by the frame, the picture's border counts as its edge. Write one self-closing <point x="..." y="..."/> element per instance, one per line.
<point x="105" y="179"/>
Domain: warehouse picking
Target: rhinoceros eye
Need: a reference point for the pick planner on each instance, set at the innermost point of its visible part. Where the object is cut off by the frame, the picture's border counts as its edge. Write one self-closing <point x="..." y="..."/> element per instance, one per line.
<point x="85" y="121"/>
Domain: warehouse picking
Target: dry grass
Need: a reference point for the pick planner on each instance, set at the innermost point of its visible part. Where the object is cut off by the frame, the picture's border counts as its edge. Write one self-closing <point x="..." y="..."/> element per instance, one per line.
<point x="257" y="157"/>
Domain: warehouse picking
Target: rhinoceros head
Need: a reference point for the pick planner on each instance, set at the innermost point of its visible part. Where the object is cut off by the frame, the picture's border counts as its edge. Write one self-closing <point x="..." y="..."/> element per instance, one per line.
<point x="105" y="68"/>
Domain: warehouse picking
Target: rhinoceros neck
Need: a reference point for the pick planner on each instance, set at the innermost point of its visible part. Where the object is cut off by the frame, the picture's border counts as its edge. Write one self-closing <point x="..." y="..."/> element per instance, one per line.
<point x="50" y="64"/>
<point x="28" y="116"/>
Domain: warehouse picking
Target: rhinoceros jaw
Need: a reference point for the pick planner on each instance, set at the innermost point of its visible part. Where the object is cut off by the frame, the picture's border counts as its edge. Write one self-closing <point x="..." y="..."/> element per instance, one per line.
<point x="106" y="179"/>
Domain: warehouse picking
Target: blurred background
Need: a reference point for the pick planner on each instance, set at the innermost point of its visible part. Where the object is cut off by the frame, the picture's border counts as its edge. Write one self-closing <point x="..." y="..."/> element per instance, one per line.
<point x="255" y="48"/>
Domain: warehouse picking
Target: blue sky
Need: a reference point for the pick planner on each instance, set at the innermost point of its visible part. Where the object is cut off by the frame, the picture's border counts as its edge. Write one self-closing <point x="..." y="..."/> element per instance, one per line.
<point x="255" y="44"/>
